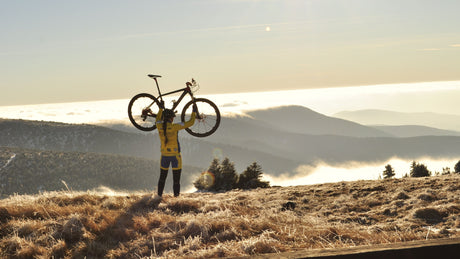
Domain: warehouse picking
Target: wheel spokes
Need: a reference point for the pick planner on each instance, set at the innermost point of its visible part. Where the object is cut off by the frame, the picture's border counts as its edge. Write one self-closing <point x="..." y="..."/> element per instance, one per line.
<point x="142" y="111"/>
<point x="206" y="121"/>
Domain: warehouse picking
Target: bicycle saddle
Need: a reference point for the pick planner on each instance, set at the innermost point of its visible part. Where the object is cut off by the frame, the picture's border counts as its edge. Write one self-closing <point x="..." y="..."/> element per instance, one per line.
<point x="153" y="76"/>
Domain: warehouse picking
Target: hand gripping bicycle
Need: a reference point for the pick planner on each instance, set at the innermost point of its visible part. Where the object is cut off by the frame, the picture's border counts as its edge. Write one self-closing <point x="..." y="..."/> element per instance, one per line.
<point x="143" y="109"/>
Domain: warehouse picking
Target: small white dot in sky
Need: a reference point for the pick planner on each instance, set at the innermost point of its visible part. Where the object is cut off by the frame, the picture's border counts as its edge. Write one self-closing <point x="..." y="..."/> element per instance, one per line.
<point x="267" y="28"/>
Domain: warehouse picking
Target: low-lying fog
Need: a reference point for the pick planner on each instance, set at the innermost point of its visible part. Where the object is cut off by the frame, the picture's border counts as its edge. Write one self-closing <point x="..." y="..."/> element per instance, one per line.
<point x="438" y="97"/>
<point x="324" y="173"/>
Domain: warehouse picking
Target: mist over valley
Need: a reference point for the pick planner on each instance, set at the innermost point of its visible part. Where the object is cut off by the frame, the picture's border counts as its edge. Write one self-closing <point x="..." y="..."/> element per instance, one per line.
<point x="293" y="144"/>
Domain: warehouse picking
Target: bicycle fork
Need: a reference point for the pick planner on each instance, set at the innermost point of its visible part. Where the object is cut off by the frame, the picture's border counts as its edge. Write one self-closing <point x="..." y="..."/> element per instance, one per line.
<point x="195" y="108"/>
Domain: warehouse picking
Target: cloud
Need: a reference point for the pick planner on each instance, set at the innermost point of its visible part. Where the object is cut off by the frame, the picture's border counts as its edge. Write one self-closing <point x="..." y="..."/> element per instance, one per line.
<point x="455" y="45"/>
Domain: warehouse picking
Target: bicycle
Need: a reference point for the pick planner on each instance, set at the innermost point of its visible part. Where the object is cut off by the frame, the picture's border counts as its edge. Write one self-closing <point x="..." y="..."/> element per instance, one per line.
<point x="143" y="109"/>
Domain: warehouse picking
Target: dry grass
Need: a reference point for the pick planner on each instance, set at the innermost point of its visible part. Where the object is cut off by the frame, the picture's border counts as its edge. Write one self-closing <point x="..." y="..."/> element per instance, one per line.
<point x="204" y="225"/>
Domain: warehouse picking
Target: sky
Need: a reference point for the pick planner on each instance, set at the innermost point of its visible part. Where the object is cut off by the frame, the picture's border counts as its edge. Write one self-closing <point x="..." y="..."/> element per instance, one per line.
<point x="55" y="51"/>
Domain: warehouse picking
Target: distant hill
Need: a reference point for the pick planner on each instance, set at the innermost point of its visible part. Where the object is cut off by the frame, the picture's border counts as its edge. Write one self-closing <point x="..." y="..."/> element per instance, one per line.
<point x="25" y="171"/>
<point x="299" y="119"/>
<point x="258" y="135"/>
<point x="244" y="139"/>
<point x="382" y="117"/>
<point x="55" y="136"/>
<point x="406" y="131"/>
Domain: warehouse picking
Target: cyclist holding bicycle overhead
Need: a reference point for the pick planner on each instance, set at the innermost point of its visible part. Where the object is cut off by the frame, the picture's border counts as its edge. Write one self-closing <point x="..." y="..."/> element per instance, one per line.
<point x="170" y="147"/>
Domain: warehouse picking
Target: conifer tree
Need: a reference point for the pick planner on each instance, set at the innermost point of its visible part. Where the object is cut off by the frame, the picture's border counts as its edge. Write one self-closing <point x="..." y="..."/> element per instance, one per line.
<point x="215" y="170"/>
<point x="223" y="177"/>
<point x="388" y="172"/>
<point x="228" y="175"/>
<point x="457" y="167"/>
<point x="207" y="180"/>
<point x="251" y="178"/>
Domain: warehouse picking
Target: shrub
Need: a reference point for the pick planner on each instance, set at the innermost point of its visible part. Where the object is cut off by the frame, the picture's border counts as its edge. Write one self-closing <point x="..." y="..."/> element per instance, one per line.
<point x="445" y="170"/>
<point x="419" y="170"/>
<point x="429" y="215"/>
<point x="402" y="196"/>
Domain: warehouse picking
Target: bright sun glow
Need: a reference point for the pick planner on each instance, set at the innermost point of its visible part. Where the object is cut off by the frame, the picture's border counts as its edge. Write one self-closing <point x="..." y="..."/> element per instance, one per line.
<point x="268" y="28"/>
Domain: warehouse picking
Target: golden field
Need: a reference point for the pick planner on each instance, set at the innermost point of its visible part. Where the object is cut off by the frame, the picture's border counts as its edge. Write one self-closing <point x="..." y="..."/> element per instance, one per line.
<point x="99" y="224"/>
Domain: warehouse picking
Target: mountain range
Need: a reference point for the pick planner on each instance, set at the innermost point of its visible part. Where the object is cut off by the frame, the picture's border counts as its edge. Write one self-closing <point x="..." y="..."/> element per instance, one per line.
<point x="383" y="117"/>
<point x="406" y="131"/>
<point x="279" y="139"/>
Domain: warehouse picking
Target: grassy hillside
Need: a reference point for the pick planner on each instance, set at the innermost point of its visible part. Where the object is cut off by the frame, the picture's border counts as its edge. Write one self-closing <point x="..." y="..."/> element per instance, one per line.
<point x="24" y="171"/>
<point x="277" y="219"/>
<point x="197" y="152"/>
<point x="42" y="135"/>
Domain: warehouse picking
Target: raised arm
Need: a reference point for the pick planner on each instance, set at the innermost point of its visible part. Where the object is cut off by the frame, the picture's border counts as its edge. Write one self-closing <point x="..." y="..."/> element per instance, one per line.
<point x="159" y="114"/>
<point x="186" y="124"/>
<point x="190" y="122"/>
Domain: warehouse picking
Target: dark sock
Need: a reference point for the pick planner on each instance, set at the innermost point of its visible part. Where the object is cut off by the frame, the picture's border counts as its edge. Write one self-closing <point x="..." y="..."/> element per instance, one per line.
<point x="162" y="181"/>
<point x="176" y="180"/>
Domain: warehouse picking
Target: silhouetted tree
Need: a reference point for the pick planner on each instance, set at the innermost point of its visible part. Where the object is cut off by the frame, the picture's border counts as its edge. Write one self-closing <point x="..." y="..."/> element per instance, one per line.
<point x="388" y="172"/>
<point x="223" y="177"/>
<point x="209" y="178"/>
<point x="419" y="170"/>
<point x="228" y="175"/>
<point x="251" y="178"/>
<point x="457" y="167"/>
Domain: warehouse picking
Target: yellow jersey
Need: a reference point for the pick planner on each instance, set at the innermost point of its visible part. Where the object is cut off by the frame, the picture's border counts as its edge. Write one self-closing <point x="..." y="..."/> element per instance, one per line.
<point x="173" y="146"/>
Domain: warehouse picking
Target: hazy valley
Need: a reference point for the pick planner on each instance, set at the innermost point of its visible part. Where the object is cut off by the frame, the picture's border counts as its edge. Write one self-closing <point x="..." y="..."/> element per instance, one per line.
<point x="279" y="139"/>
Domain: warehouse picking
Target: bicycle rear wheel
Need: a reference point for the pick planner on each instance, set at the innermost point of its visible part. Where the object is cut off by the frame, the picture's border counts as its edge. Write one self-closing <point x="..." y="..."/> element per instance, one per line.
<point x="206" y="122"/>
<point x="142" y="111"/>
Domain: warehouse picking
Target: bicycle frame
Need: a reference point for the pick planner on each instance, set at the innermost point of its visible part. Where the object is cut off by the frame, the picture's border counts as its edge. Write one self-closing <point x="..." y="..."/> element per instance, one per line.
<point x="184" y="91"/>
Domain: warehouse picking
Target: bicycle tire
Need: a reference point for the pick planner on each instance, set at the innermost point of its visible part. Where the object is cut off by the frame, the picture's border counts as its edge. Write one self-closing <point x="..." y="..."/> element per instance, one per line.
<point x="139" y="116"/>
<point x="209" y="121"/>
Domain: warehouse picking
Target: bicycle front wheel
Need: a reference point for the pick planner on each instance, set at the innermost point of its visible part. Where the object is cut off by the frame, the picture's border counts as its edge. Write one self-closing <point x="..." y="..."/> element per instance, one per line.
<point x="206" y="122"/>
<point x="142" y="111"/>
